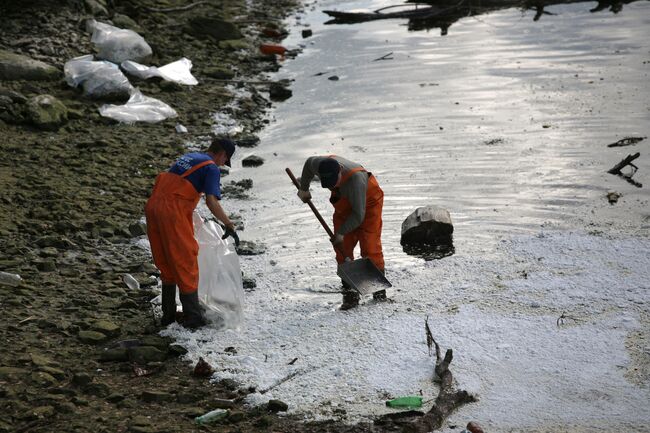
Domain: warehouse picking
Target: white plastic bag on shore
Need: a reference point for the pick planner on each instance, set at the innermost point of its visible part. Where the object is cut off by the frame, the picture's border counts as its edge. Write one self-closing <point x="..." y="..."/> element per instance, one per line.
<point x="177" y="72"/>
<point x="117" y="45"/>
<point x="139" y="108"/>
<point x="220" y="282"/>
<point x="99" y="79"/>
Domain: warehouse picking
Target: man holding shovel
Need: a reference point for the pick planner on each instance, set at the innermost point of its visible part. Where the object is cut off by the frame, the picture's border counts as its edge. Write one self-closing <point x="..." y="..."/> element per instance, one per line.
<point x="170" y="227"/>
<point x="358" y="201"/>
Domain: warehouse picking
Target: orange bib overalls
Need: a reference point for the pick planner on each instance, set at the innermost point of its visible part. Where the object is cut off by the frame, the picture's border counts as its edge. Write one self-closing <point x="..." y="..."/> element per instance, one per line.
<point x="171" y="230"/>
<point x="368" y="234"/>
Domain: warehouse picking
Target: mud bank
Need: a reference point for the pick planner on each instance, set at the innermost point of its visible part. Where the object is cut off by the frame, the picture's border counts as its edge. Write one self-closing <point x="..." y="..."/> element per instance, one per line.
<point x="71" y="200"/>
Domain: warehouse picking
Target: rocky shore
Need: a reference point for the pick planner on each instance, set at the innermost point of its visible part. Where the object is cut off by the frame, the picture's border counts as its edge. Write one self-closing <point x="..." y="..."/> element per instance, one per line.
<point x="72" y="189"/>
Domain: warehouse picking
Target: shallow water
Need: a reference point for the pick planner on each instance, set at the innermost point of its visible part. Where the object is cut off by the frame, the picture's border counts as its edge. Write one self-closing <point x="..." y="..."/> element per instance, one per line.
<point x="503" y="121"/>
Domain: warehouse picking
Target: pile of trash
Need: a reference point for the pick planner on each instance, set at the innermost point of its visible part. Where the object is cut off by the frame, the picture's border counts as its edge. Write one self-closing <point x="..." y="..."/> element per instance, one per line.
<point x="101" y="76"/>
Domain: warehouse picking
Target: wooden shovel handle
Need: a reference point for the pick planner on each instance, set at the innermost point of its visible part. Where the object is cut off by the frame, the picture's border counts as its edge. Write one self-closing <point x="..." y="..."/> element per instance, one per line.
<point x="311" y="205"/>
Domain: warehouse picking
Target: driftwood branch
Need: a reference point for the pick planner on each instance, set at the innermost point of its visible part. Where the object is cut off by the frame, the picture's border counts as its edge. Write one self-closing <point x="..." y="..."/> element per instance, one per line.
<point x="627" y="141"/>
<point x="448" y="399"/>
<point x="176" y="9"/>
<point x="624" y="163"/>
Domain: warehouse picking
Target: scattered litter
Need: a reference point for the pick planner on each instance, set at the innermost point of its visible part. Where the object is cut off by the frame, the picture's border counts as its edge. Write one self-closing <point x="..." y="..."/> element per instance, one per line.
<point x="211" y="416"/>
<point x="141" y="372"/>
<point x="130" y="282"/>
<point x="613" y="196"/>
<point x="99" y="79"/>
<point x="181" y="129"/>
<point x="202" y="369"/>
<point x="177" y="72"/>
<point x="627" y="141"/>
<point x="269" y="49"/>
<point x="7" y="279"/>
<point x="408" y="401"/>
<point x="117" y="45"/>
<point x="139" y="108"/>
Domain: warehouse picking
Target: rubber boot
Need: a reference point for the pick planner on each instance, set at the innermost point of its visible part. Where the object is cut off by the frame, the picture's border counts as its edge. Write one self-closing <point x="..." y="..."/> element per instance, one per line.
<point x="192" y="311"/>
<point x="350" y="297"/>
<point x="168" y="304"/>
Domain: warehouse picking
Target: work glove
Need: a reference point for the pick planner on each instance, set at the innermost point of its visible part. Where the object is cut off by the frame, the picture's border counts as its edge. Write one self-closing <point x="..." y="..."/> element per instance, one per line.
<point x="337" y="239"/>
<point x="230" y="231"/>
<point x="305" y="196"/>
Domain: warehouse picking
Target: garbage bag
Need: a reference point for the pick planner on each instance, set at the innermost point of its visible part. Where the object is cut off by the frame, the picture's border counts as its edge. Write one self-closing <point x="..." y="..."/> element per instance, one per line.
<point x="177" y="72"/>
<point x="220" y="281"/>
<point x="139" y="108"/>
<point x="99" y="79"/>
<point x="117" y="45"/>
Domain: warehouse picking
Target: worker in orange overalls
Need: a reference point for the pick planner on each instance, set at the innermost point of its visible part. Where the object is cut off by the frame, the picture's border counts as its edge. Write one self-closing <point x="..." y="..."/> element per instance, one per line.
<point x="171" y="230"/>
<point x="358" y="201"/>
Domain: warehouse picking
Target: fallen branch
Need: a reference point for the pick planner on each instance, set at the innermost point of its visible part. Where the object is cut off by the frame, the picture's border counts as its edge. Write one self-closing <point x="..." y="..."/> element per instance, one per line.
<point x="284" y="379"/>
<point x="176" y="9"/>
<point x="448" y="399"/>
<point x="385" y="57"/>
<point x="627" y="141"/>
<point x="624" y="162"/>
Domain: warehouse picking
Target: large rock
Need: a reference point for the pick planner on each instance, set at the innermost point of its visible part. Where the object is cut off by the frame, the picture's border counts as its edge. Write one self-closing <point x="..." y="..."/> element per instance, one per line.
<point x="428" y="225"/>
<point x="17" y="67"/>
<point x="46" y="112"/>
<point x="215" y="28"/>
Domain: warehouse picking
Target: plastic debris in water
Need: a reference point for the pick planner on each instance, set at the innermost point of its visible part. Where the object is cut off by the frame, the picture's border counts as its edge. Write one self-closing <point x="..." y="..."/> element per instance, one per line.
<point x="7" y="279"/>
<point x="130" y="282"/>
<point x="211" y="416"/>
<point x="180" y="128"/>
<point x="408" y="401"/>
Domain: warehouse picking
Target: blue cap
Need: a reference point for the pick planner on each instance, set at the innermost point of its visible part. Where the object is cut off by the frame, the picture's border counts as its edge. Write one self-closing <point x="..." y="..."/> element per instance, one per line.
<point x="227" y="145"/>
<point x="328" y="172"/>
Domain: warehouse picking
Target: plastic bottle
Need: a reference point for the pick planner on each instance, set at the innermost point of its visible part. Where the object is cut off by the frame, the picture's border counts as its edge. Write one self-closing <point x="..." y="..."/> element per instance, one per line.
<point x="7" y="279"/>
<point x="212" y="416"/>
<point x="130" y="282"/>
<point x="408" y="401"/>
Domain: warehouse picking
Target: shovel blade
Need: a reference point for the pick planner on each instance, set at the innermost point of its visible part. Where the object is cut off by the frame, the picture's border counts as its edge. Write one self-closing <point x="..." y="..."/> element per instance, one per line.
<point x="363" y="276"/>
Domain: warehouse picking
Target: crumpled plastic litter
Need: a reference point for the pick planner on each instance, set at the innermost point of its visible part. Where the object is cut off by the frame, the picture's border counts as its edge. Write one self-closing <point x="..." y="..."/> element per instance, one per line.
<point x="139" y="108"/>
<point x="118" y="45"/>
<point x="177" y="72"/>
<point x="220" y="281"/>
<point x="99" y="79"/>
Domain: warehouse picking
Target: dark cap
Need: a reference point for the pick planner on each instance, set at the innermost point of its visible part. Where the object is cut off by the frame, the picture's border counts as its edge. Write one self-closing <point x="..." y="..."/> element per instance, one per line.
<point x="328" y="172"/>
<point x="225" y="144"/>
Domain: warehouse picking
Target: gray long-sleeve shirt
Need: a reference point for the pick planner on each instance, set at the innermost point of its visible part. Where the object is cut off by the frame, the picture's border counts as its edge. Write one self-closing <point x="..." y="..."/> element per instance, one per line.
<point x="354" y="189"/>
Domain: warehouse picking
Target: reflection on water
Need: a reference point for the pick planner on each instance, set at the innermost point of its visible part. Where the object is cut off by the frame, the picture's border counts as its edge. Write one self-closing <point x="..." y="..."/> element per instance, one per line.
<point x="503" y="122"/>
<point x="427" y="15"/>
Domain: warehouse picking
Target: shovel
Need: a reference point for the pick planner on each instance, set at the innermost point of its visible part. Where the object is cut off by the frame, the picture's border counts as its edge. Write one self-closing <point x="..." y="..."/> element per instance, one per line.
<point x="362" y="275"/>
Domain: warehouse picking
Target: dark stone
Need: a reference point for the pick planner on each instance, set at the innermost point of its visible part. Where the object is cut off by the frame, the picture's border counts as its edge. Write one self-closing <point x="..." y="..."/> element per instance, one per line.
<point x="252" y="161"/>
<point x="45" y="265"/>
<point x="277" y="406"/>
<point x="247" y="248"/>
<point x="46" y="112"/>
<point x="144" y="354"/>
<point x="333" y="78"/>
<point x="97" y="389"/>
<point x="307" y="33"/>
<point x="248" y="141"/>
<point x="219" y="73"/>
<point x="177" y="350"/>
<point x="114" y="355"/>
<point x="115" y="398"/>
<point x="18" y="67"/>
<point x="279" y="92"/>
<point x="81" y="379"/>
<point x="92" y="337"/>
<point x="214" y="28"/>
<point x="249" y="283"/>
<point x="138" y="229"/>
<point x="156" y="397"/>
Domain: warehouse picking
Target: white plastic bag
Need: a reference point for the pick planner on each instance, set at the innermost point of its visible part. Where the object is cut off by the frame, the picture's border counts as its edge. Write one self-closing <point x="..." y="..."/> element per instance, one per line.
<point x="177" y="72"/>
<point x="117" y="45"/>
<point x="99" y="79"/>
<point x="139" y="108"/>
<point x="220" y="281"/>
